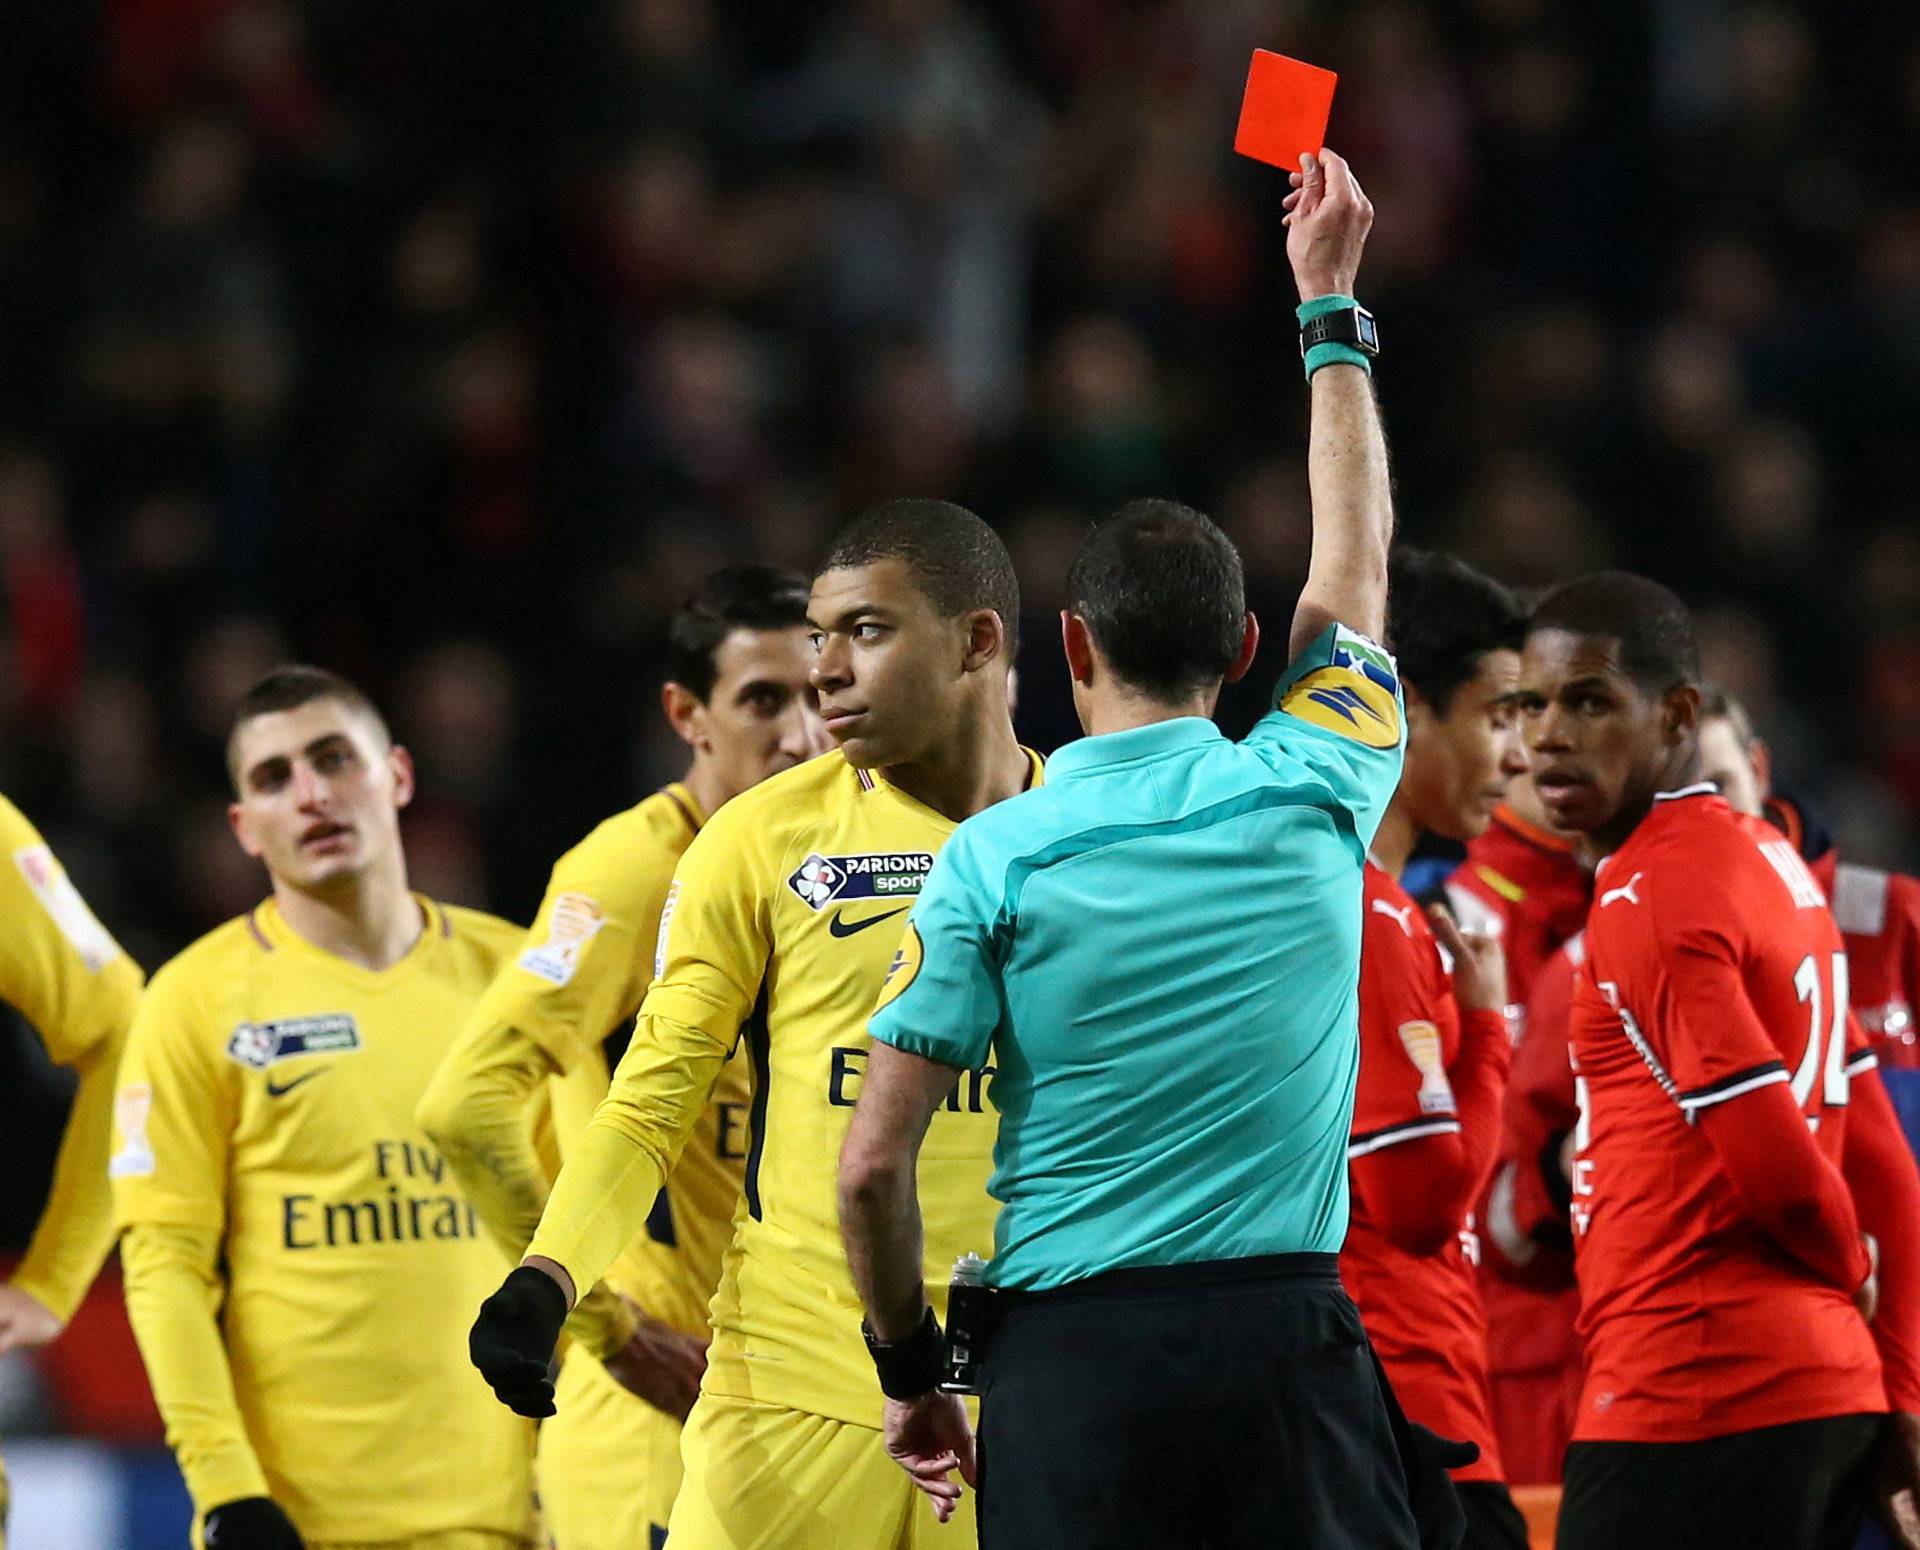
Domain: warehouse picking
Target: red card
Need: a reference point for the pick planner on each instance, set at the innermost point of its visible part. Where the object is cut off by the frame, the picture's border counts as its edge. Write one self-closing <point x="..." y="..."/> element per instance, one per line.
<point x="1284" y="114"/>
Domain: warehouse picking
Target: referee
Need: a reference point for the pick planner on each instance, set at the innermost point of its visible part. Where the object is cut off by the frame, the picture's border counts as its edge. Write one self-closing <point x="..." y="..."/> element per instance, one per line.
<point x="1159" y="952"/>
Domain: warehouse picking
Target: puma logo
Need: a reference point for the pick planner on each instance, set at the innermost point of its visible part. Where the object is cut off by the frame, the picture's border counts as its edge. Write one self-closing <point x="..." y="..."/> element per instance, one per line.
<point x="1624" y="891"/>
<point x="1403" y="915"/>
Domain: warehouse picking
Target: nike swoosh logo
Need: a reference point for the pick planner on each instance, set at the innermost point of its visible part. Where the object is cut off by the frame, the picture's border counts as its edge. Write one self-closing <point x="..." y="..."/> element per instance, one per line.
<point x="284" y="1088"/>
<point x="839" y="925"/>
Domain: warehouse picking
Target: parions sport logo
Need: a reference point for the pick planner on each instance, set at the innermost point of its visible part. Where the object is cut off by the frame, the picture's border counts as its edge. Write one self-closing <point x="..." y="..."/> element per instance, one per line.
<point x="889" y="874"/>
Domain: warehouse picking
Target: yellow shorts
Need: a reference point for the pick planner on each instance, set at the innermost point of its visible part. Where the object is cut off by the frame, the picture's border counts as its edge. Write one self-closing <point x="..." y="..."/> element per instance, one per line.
<point x="760" y="1477"/>
<point x="607" y="1464"/>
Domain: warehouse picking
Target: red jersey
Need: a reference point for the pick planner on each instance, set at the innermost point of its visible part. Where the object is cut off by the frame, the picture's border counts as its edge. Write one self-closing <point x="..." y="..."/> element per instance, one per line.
<point x="1878" y="914"/>
<point x="1422" y="1310"/>
<point x="1525" y="885"/>
<point x="1713" y="969"/>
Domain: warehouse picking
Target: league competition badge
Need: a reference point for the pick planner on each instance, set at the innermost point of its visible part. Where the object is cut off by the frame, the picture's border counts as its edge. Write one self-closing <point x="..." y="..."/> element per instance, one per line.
<point x="895" y="874"/>
<point x="258" y="1045"/>
<point x="1421" y="1040"/>
<point x="62" y="901"/>
<point x="134" y="1159"/>
<point x="574" y="921"/>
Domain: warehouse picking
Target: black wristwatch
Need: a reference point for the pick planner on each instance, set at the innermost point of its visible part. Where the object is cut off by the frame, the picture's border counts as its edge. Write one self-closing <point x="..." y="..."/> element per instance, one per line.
<point x="1350" y="326"/>
<point x="911" y="1367"/>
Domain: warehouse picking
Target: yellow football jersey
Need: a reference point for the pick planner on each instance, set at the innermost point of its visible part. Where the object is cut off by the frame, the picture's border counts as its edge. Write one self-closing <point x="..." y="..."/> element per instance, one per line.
<point x="777" y="934"/>
<point x="574" y="990"/>
<point x="58" y="965"/>
<point x="267" y="1093"/>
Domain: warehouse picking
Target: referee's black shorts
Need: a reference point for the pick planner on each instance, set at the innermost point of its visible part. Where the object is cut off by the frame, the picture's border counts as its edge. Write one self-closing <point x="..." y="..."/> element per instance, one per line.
<point x="1220" y="1405"/>
<point x="1803" y="1486"/>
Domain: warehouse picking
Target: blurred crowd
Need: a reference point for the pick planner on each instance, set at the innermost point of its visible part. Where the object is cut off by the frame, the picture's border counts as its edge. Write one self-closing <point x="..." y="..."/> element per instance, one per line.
<point x="448" y="344"/>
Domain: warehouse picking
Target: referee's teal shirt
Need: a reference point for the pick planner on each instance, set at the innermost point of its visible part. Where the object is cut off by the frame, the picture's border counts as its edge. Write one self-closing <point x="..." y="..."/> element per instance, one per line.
<point x="1159" y="951"/>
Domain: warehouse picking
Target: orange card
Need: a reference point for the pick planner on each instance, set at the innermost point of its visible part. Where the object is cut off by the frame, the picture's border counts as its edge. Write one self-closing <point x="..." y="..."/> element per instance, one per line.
<point x="1284" y="113"/>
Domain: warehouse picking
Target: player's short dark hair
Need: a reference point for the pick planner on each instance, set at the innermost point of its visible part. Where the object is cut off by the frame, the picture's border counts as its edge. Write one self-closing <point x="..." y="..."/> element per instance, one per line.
<point x="1658" y="648"/>
<point x="1443" y="617"/>
<point x="957" y="560"/>
<point x="1163" y="593"/>
<point x="288" y="688"/>
<point x="1718" y="705"/>
<point x="735" y="597"/>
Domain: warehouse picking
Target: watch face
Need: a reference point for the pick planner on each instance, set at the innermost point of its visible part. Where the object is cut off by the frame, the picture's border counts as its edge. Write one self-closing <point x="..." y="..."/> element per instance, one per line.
<point x="1367" y="329"/>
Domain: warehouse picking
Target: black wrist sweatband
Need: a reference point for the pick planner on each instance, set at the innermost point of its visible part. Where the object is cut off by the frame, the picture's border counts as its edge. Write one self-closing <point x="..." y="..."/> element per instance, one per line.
<point x="911" y="1367"/>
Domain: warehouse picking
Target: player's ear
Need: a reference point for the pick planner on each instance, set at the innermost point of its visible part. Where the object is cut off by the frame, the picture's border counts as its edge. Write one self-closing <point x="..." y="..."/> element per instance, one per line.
<point x="242" y="831"/>
<point x="1077" y="641"/>
<point x="986" y="639"/>
<point x="1760" y="756"/>
<point x="401" y="763"/>
<point x="683" y="708"/>
<point x="1680" y="712"/>
<point x="1249" y="646"/>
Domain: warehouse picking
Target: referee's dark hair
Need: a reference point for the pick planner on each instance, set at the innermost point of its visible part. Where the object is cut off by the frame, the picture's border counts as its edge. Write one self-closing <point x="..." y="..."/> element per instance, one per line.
<point x="1443" y="617"/>
<point x="735" y="597"/>
<point x="1658" y="649"/>
<point x="1163" y="594"/>
<point x="957" y="560"/>
<point x="288" y="688"/>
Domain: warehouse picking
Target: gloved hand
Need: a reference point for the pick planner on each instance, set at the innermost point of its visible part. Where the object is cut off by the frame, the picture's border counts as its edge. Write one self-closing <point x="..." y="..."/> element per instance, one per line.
<point x="251" y="1523"/>
<point x="513" y="1339"/>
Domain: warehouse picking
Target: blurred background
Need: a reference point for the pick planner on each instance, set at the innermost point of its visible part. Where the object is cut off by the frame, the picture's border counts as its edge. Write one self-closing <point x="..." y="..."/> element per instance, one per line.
<point x="449" y="344"/>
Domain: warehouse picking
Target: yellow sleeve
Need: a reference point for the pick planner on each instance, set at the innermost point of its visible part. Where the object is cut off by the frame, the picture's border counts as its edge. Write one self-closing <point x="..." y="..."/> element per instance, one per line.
<point x="588" y="960"/>
<point x="480" y="1110"/>
<point x="76" y="1229"/>
<point x="174" y="1114"/>
<point x="713" y="948"/>
<point x="174" y="1293"/>
<point x="58" y="964"/>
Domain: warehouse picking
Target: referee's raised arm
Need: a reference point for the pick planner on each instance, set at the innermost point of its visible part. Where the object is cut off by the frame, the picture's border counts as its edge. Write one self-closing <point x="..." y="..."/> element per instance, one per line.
<point x="1327" y="223"/>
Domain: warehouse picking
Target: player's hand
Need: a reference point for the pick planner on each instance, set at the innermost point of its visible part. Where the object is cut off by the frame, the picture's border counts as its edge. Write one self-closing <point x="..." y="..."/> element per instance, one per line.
<point x="25" y="1321"/>
<point x="1897" y="1491"/>
<point x="1327" y="220"/>
<point x="661" y="1365"/>
<point x="1479" y="962"/>
<point x="930" y="1437"/>
<point x="251" y="1523"/>
<point x="1866" y="1296"/>
<point x="512" y="1341"/>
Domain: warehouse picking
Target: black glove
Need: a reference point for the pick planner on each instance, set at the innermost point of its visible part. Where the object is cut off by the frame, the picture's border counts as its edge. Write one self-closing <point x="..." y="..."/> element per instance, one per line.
<point x="512" y="1341"/>
<point x="251" y="1523"/>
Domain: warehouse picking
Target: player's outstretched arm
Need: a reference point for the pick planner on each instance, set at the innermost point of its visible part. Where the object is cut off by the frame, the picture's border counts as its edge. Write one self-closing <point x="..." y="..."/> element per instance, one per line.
<point x="76" y="1229"/>
<point x="476" y="1111"/>
<point x="1327" y="224"/>
<point x="714" y="946"/>
<point x="599" y="1204"/>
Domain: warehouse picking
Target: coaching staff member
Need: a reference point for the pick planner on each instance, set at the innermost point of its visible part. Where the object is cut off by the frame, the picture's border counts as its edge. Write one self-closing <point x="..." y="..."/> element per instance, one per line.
<point x="1158" y="951"/>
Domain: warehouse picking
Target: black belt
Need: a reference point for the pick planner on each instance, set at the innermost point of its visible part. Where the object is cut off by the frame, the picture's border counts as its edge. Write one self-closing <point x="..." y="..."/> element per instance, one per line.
<point x="1199" y="1276"/>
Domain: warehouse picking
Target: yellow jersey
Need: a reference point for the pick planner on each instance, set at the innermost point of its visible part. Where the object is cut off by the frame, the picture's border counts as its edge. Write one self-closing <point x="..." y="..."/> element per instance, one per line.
<point x="574" y="989"/>
<point x="63" y="971"/>
<point x="777" y="933"/>
<point x="267" y="1094"/>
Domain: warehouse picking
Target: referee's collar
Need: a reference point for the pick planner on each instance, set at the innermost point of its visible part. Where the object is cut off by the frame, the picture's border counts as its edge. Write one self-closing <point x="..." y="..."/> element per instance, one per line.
<point x="1152" y="741"/>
